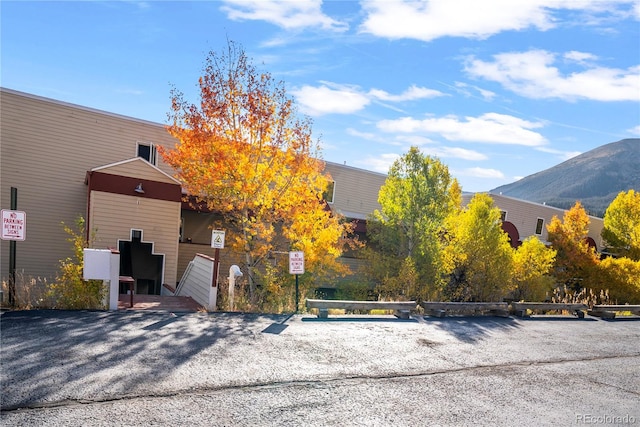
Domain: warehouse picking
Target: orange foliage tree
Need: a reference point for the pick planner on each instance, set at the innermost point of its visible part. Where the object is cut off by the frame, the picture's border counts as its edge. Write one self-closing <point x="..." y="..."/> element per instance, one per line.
<point x="244" y="151"/>
<point x="576" y="261"/>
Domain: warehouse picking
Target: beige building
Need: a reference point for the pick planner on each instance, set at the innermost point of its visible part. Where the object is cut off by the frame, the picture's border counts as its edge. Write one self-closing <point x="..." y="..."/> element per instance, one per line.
<point x="67" y="161"/>
<point x="522" y="219"/>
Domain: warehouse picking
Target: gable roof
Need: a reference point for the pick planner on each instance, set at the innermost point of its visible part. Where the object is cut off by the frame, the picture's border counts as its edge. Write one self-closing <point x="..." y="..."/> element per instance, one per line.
<point x="137" y="167"/>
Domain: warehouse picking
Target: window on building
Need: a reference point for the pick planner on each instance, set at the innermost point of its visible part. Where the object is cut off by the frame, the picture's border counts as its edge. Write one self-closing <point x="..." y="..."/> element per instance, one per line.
<point x="539" y="226"/>
<point x="329" y="192"/>
<point x="503" y="216"/>
<point x="148" y="152"/>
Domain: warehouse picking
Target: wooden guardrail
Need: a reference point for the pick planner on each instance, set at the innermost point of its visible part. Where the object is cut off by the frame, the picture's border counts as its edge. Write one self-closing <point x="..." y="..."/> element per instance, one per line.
<point x="520" y="308"/>
<point x="402" y="308"/>
<point x="441" y="309"/>
<point x="608" y="311"/>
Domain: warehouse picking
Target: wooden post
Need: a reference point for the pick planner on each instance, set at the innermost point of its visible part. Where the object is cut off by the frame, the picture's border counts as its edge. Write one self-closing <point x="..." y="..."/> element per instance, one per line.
<point x="216" y="264"/>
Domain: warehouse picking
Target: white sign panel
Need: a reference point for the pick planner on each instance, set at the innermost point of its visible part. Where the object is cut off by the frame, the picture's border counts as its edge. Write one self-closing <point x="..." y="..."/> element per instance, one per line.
<point x="14" y="225"/>
<point x="217" y="239"/>
<point x="296" y="262"/>
<point x="97" y="264"/>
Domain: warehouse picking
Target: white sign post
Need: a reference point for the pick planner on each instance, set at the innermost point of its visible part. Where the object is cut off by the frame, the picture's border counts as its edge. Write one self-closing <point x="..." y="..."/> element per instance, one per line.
<point x="217" y="239"/>
<point x="296" y="266"/>
<point x="296" y="262"/>
<point x="14" y="225"/>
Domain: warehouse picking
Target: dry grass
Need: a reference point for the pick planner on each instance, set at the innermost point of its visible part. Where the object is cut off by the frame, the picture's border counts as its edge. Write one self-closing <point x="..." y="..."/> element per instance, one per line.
<point x="584" y="296"/>
<point x="30" y="292"/>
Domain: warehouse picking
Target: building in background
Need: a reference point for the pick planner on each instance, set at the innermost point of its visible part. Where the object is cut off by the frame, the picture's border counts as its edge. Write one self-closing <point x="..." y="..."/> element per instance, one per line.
<point x="68" y="161"/>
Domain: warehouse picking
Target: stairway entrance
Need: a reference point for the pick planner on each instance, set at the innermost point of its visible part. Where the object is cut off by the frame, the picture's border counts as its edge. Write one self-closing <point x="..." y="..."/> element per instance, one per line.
<point x="137" y="260"/>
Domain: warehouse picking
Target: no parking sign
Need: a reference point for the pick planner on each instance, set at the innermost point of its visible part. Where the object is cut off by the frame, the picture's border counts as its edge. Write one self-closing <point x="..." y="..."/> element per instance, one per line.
<point x="14" y="225"/>
<point x="296" y="262"/>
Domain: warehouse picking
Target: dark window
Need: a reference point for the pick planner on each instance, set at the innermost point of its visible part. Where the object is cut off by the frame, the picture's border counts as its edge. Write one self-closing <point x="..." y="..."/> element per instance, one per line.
<point x="329" y="192"/>
<point x="503" y="215"/>
<point x="147" y="152"/>
<point x="539" y="225"/>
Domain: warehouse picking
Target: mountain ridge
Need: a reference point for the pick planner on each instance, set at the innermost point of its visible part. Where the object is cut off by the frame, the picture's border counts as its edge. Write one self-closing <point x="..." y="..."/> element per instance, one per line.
<point x="594" y="178"/>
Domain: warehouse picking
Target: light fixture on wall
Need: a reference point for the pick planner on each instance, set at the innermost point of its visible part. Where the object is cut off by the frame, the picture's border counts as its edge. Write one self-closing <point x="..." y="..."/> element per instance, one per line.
<point x="139" y="189"/>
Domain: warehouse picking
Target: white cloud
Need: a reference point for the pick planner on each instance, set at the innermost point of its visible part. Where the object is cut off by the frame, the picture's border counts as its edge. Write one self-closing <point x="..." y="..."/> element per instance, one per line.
<point x="317" y="101"/>
<point x="379" y="164"/>
<point x="428" y="20"/>
<point x="463" y="88"/>
<point x="333" y="98"/>
<point x="562" y="155"/>
<point x="580" y="57"/>
<point x="481" y="173"/>
<point x="454" y="153"/>
<point x="634" y="130"/>
<point x="431" y="19"/>
<point x="413" y="140"/>
<point x="533" y="74"/>
<point x="364" y="135"/>
<point x="290" y="15"/>
<point x="489" y="128"/>
<point x="412" y="93"/>
<point x="430" y="147"/>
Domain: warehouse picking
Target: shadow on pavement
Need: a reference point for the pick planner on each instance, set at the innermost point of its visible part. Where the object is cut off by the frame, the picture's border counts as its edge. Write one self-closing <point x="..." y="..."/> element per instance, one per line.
<point x="471" y="329"/>
<point x="44" y="351"/>
<point x="278" y="327"/>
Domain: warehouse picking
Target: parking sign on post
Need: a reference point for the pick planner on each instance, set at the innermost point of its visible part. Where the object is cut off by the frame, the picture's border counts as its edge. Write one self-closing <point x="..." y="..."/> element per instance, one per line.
<point x="296" y="262"/>
<point x="14" y="225"/>
<point x="296" y="266"/>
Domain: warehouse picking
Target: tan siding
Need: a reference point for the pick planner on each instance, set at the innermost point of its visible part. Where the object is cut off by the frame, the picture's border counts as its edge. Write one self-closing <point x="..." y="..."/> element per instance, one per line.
<point x="115" y="215"/>
<point x="356" y="190"/>
<point x="39" y="133"/>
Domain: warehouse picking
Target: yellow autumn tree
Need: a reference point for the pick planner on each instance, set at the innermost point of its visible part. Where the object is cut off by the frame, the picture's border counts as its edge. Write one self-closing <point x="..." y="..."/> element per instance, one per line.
<point x="622" y="225"/>
<point x="576" y="261"/>
<point x="244" y="151"/>
<point x="532" y="262"/>
<point x="477" y="255"/>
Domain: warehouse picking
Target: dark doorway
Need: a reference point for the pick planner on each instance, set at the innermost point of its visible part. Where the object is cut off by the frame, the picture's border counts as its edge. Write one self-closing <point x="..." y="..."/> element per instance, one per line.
<point x="138" y="261"/>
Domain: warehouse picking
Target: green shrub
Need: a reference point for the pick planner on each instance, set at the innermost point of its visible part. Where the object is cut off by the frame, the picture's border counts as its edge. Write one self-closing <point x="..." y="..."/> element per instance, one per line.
<point x="354" y="291"/>
<point x="69" y="291"/>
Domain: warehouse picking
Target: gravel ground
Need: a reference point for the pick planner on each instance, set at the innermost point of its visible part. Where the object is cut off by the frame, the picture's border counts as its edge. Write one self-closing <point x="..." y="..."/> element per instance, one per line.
<point x="132" y="368"/>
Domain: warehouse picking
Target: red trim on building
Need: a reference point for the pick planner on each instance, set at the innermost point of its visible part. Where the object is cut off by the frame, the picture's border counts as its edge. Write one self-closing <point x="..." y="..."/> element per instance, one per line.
<point x="512" y="231"/>
<point x="116" y="184"/>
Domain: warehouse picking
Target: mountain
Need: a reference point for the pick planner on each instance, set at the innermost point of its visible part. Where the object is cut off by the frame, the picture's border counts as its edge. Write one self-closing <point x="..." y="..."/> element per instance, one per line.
<point x="594" y="178"/>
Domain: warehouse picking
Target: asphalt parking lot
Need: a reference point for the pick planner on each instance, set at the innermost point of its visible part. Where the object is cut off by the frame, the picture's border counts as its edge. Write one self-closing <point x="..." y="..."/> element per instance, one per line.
<point x="135" y="368"/>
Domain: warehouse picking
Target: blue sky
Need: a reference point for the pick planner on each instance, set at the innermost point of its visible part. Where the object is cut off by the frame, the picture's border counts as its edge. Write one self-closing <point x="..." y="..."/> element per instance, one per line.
<point x="496" y="89"/>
